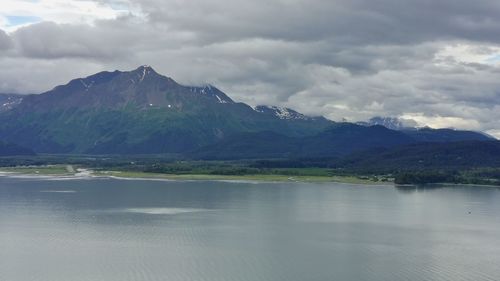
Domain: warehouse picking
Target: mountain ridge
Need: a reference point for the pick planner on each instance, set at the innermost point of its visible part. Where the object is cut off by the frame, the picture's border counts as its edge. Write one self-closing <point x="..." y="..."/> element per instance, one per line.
<point x="138" y="111"/>
<point x="144" y="112"/>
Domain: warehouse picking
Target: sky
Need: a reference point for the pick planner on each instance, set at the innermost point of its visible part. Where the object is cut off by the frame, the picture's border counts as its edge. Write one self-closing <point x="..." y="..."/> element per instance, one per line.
<point x="436" y="62"/>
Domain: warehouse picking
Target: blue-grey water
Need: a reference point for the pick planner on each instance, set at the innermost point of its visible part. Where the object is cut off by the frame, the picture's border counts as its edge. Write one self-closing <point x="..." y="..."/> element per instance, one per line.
<point x="110" y="229"/>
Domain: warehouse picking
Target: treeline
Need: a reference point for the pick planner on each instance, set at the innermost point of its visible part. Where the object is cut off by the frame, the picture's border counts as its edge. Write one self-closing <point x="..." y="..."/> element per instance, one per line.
<point x="425" y="177"/>
<point x="327" y="162"/>
<point x="462" y="162"/>
<point x="477" y="176"/>
<point x="233" y="168"/>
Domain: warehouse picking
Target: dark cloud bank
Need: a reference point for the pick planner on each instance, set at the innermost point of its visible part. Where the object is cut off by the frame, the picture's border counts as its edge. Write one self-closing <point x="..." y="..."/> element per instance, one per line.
<point x="353" y="59"/>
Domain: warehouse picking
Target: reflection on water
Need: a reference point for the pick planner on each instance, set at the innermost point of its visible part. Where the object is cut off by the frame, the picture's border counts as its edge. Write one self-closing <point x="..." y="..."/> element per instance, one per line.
<point x="108" y="229"/>
<point x="415" y="188"/>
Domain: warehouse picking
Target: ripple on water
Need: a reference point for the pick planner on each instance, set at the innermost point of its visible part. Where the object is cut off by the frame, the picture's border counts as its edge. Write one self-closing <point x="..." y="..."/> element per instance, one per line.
<point x="58" y="191"/>
<point x="162" y="211"/>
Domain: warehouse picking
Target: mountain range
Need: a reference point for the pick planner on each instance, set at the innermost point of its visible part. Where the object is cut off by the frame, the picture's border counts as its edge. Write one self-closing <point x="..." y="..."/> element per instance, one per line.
<point x="392" y="123"/>
<point x="143" y="112"/>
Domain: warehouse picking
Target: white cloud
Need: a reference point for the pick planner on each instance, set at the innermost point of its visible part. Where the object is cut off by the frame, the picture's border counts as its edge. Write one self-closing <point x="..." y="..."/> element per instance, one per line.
<point x="470" y="52"/>
<point x="58" y="11"/>
<point x="437" y="121"/>
<point x="494" y="133"/>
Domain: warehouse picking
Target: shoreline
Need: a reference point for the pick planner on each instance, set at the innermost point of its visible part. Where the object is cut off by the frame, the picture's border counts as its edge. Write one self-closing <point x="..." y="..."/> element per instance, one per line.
<point x="243" y="178"/>
<point x="82" y="173"/>
<point x="68" y="172"/>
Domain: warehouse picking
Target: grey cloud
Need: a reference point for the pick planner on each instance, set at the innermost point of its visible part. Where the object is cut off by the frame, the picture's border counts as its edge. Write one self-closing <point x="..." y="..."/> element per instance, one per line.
<point x="345" y="21"/>
<point x="341" y="58"/>
<point x="32" y="76"/>
<point x="5" y="41"/>
<point x="48" y="40"/>
<point x="395" y="93"/>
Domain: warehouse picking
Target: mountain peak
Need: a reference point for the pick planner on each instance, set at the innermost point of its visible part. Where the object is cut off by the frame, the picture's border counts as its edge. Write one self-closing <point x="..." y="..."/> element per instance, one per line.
<point x="145" y="66"/>
<point x="144" y="71"/>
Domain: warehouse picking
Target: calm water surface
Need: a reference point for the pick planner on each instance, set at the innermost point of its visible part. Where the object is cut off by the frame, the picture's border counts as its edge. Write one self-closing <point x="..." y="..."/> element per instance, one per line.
<point x="109" y="229"/>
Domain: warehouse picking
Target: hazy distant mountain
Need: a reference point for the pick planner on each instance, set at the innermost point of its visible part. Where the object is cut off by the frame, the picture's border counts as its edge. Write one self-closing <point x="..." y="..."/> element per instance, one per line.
<point x="392" y="123"/>
<point x="444" y="135"/>
<point x="141" y="111"/>
<point x="425" y="134"/>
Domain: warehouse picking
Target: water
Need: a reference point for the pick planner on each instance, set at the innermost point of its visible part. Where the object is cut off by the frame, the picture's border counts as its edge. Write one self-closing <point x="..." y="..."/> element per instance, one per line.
<point x="109" y="229"/>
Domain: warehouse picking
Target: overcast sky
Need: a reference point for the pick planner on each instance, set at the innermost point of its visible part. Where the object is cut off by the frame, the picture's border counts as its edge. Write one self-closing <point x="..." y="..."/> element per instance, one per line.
<point x="434" y="61"/>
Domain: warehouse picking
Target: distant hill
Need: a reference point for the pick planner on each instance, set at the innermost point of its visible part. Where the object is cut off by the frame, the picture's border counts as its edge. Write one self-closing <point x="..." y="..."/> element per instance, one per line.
<point x="143" y="112"/>
<point x="444" y="135"/>
<point x="336" y="141"/>
<point x="425" y="134"/>
<point x="9" y="149"/>
<point x="426" y="156"/>
<point x="345" y="138"/>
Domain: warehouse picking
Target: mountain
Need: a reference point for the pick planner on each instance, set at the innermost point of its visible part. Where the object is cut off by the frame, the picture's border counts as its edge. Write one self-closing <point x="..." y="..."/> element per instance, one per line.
<point x="254" y="145"/>
<point x="9" y="149"/>
<point x="144" y="112"/>
<point x="9" y="101"/>
<point x="445" y="135"/>
<point x="284" y="113"/>
<point x="392" y="123"/>
<point x="426" y="134"/>
<point x="345" y="138"/>
<point x="142" y="88"/>
<point x="137" y="112"/>
<point x="337" y="140"/>
<point x="426" y="156"/>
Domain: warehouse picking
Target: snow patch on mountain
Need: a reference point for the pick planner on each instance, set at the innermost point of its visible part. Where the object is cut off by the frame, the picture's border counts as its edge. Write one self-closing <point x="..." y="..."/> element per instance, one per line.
<point x="220" y="100"/>
<point x="8" y="102"/>
<point x="145" y="71"/>
<point x="281" y="112"/>
<point x="87" y="85"/>
<point x="211" y="91"/>
<point x="392" y="123"/>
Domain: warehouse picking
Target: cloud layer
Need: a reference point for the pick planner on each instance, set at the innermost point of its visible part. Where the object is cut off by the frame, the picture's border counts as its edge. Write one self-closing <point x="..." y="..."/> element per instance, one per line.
<point x="436" y="62"/>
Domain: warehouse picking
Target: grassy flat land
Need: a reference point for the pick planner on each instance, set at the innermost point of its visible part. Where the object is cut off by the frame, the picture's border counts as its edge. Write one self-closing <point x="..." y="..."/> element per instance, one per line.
<point x="261" y="177"/>
<point x="48" y="170"/>
<point x="69" y="170"/>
